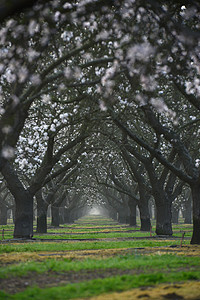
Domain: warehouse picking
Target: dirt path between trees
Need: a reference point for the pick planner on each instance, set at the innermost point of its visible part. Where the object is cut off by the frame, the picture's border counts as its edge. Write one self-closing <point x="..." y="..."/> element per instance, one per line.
<point x="14" y="285"/>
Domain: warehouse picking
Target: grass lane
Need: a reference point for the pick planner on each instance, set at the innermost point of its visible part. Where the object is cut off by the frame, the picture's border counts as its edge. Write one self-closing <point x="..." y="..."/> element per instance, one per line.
<point x="144" y="261"/>
<point x="99" y="286"/>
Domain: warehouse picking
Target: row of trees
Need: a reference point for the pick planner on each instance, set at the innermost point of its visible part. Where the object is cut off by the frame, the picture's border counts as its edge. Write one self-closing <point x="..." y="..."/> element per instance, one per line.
<point x="80" y="77"/>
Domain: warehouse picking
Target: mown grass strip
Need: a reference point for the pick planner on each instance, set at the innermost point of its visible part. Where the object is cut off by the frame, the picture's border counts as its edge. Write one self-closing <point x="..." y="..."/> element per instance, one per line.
<point x="129" y="261"/>
<point x="100" y="286"/>
<point x="53" y="246"/>
<point x="95" y="235"/>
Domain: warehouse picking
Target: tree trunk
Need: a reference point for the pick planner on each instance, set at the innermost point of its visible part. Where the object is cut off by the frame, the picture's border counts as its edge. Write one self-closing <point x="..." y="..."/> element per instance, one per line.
<point x="188" y="211"/>
<point x="122" y="218"/>
<point x="163" y="218"/>
<point x="66" y="216"/>
<point x="144" y="216"/>
<point x="24" y="216"/>
<point x="3" y="214"/>
<point x="13" y="213"/>
<point x="55" y="221"/>
<point x="132" y="218"/>
<point x="61" y="215"/>
<point x="41" y="213"/>
<point x="112" y="215"/>
<point x="23" y="203"/>
<point x="196" y="213"/>
<point x="175" y="214"/>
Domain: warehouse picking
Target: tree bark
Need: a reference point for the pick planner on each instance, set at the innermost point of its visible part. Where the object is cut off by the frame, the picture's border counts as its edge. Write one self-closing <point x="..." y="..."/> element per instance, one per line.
<point x="162" y="201"/>
<point x="122" y="218"/>
<point x="42" y="208"/>
<point x="13" y="213"/>
<point x="23" y="203"/>
<point x="24" y="216"/>
<point x="195" y="188"/>
<point x="188" y="211"/>
<point x="144" y="214"/>
<point x="112" y="215"/>
<point x="163" y="218"/>
<point x="67" y="217"/>
<point x="132" y="218"/>
<point x="3" y="213"/>
<point x="61" y="215"/>
<point x="55" y="221"/>
<point x="175" y="214"/>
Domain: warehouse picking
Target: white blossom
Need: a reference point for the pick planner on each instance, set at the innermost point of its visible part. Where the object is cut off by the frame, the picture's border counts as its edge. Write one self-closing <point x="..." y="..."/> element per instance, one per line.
<point x="53" y="128"/>
<point x="68" y="73"/>
<point x="33" y="27"/>
<point x="22" y="74"/>
<point x="197" y="162"/>
<point x="32" y="54"/>
<point x="57" y="16"/>
<point x="35" y="79"/>
<point x="46" y="99"/>
<point x="23" y="163"/>
<point x="64" y="116"/>
<point x="140" y="52"/>
<point x="7" y="129"/>
<point x="103" y="35"/>
<point x="67" y="5"/>
<point x="10" y="77"/>
<point x="30" y="141"/>
<point x="8" y="152"/>
<point x="102" y="106"/>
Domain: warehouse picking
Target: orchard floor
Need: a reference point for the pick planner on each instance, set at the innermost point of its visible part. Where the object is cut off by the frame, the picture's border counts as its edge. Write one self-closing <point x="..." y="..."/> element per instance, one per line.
<point x="96" y="258"/>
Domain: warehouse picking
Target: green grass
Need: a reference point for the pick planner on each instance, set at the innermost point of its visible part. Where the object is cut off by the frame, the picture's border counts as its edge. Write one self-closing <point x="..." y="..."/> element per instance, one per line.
<point x="94" y="235"/>
<point x="91" y="229"/>
<point x="92" y="232"/>
<point x="151" y="269"/>
<point x="36" y="246"/>
<point x="99" y="286"/>
<point x="130" y="261"/>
